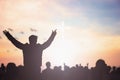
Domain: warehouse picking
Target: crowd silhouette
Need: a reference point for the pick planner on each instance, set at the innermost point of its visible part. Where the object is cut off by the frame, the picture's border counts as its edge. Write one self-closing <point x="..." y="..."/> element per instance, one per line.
<point x="78" y="72"/>
<point x="32" y="59"/>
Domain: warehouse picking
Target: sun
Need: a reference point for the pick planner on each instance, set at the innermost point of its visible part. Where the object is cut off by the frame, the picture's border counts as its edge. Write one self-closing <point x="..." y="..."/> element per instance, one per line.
<point x="61" y="52"/>
<point x="64" y="51"/>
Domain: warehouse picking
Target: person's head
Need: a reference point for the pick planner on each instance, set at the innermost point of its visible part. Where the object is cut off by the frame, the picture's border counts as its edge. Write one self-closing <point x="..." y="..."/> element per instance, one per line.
<point x="33" y="39"/>
<point x="2" y="64"/>
<point x="100" y="63"/>
<point x="48" y="64"/>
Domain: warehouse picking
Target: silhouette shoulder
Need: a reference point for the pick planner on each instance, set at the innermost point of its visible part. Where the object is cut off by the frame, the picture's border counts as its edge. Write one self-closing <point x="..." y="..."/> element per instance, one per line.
<point x="39" y="44"/>
<point x="26" y="44"/>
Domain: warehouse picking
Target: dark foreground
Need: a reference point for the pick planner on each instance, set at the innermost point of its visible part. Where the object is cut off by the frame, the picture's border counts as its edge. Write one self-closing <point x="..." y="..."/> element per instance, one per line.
<point x="100" y="72"/>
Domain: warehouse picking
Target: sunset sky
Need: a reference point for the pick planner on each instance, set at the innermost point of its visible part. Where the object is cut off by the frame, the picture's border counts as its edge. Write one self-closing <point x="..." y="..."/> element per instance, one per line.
<point x="87" y="30"/>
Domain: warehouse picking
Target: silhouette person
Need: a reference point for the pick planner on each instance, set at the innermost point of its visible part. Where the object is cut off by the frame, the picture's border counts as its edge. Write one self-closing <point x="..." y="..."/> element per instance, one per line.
<point x="2" y="71"/>
<point x="100" y="70"/>
<point x="11" y="72"/>
<point x="32" y="52"/>
<point x="47" y="74"/>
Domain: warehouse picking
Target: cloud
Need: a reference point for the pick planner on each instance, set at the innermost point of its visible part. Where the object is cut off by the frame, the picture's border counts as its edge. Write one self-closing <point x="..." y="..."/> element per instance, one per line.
<point x="22" y="32"/>
<point x="33" y="30"/>
<point x="10" y="29"/>
<point x="29" y="13"/>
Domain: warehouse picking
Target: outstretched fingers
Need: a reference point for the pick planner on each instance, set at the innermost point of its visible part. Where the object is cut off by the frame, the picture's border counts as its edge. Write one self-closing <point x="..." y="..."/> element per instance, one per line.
<point x="54" y="32"/>
<point x="5" y="31"/>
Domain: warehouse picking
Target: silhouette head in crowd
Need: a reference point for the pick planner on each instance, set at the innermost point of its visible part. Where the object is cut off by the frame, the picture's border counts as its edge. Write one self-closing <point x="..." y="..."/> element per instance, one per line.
<point x="100" y="63"/>
<point x="47" y="74"/>
<point x="12" y="72"/>
<point x="48" y="65"/>
<point x="2" y="67"/>
<point x="100" y="70"/>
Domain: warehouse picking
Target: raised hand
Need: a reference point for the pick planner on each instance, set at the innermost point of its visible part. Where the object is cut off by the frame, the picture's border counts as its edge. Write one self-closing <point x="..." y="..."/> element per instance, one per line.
<point x="54" y="32"/>
<point x="5" y="32"/>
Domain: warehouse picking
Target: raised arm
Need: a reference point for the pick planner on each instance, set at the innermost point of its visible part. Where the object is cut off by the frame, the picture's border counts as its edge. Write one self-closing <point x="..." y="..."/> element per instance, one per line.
<point x="13" y="40"/>
<point x="49" y="41"/>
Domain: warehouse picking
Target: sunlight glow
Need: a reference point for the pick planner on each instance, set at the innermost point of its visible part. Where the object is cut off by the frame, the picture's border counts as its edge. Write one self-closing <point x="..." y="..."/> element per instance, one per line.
<point x="63" y="52"/>
<point x="73" y="50"/>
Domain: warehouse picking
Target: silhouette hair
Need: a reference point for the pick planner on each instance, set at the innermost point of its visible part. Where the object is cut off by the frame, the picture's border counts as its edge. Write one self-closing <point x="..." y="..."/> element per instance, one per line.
<point x="48" y="64"/>
<point x="33" y="38"/>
